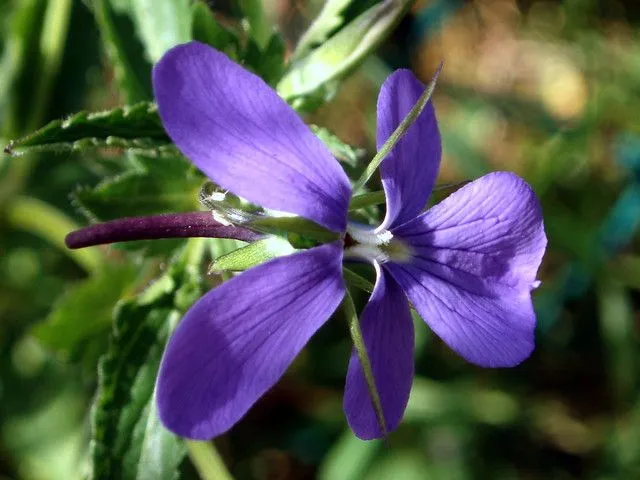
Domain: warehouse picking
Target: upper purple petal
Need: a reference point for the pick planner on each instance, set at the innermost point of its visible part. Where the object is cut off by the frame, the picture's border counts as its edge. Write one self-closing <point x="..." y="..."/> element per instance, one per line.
<point x="238" y="340"/>
<point x="387" y="329"/>
<point x="410" y="170"/>
<point x="242" y="135"/>
<point x="476" y="255"/>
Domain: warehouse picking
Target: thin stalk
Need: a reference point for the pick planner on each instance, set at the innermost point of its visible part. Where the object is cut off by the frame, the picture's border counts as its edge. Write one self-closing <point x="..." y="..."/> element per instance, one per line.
<point x="398" y="133"/>
<point x="207" y="461"/>
<point x="174" y="225"/>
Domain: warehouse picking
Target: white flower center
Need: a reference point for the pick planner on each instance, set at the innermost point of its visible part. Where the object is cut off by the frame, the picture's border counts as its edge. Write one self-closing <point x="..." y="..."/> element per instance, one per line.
<point x="375" y="245"/>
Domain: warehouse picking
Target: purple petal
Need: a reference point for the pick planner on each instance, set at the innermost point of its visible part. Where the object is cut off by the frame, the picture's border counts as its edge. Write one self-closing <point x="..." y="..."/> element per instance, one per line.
<point x="387" y="329"/>
<point x="238" y="340"/>
<point x="243" y="136"/>
<point x="476" y="256"/>
<point x="409" y="172"/>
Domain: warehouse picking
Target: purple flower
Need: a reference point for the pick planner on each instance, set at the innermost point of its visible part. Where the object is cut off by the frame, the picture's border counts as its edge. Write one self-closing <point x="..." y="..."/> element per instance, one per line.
<point x="467" y="265"/>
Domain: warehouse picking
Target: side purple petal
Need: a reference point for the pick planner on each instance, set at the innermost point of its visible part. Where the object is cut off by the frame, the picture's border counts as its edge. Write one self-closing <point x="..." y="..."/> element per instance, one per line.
<point x="475" y="260"/>
<point x="237" y="341"/>
<point x="410" y="170"/>
<point x="388" y="334"/>
<point x="244" y="137"/>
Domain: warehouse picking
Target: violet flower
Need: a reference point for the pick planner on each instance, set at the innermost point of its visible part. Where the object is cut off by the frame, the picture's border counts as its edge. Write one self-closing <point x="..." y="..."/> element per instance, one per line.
<point x="468" y="264"/>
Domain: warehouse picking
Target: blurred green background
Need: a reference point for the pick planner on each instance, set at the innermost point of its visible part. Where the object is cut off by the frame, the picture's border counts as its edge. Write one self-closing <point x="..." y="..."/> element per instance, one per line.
<point x="547" y="89"/>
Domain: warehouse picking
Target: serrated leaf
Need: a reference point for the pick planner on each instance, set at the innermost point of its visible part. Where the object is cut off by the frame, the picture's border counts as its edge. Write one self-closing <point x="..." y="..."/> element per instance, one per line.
<point x="124" y="430"/>
<point x="133" y="127"/>
<point x="252" y="255"/>
<point x="342" y="53"/>
<point x="208" y="30"/>
<point x="126" y="53"/>
<point x="342" y="151"/>
<point x="86" y="310"/>
<point x="161" y="25"/>
<point x="159" y="185"/>
<point x="328" y="21"/>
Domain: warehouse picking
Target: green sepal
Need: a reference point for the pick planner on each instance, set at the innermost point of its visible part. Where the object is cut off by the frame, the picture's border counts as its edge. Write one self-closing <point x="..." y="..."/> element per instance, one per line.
<point x="398" y="133"/>
<point x="365" y="362"/>
<point x="288" y="225"/>
<point x="252" y="255"/>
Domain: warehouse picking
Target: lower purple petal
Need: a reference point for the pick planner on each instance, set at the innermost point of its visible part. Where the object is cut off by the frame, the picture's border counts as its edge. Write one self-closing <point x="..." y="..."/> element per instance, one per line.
<point x="387" y="329"/>
<point x="237" y="341"/>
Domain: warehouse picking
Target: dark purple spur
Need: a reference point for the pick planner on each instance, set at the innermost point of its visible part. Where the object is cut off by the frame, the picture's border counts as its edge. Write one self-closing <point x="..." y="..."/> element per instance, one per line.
<point x="467" y="265"/>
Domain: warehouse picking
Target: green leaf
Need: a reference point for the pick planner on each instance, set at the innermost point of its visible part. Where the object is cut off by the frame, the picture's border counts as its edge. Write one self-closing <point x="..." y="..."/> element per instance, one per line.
<point x="328" y="21"/>
<point x="131" y="127"/>
<point x="126" y="53"/>
<point x="259" y="27"/>
<point x="208" y="30"/>
<point x="268" y="62"/>
<point x="313" y="75"/>
<point x="125" y="431"/>
<point x="161" y="25"/>
<point x="161" y="452"/>
<point x="342" y="151"/>
<point x="252" y="255"/>
<point x="158" y="185"/>
<point x="86" y="310"/>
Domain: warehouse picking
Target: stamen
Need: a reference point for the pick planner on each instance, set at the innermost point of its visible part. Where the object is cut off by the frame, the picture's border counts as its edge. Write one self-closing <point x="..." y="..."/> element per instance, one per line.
<point x="368" y="236"/>
<point x="175" y="225"/>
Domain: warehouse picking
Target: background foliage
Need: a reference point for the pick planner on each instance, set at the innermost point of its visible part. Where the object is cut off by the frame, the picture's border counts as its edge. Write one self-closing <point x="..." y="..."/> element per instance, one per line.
<point x="548" y="89"/>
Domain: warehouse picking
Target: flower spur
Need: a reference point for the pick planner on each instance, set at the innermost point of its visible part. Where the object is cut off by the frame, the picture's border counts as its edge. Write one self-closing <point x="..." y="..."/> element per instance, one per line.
<point x="468" y="264"/>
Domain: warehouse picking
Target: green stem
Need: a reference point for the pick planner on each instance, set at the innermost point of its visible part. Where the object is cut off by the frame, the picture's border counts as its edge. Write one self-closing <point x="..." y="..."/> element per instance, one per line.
<point x="398" y="133"/>
<point x="358" y="342"/>
<point x="207" y="461"/>
<point x="43" y="220"/>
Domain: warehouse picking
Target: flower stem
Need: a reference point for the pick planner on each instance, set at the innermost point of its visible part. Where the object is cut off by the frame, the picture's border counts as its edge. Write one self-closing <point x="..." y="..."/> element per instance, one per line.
<point x="398" y="133"/>
<point x="358" y="343"/>
<point x="41" y="219"/>
<point x="207" y="461"/>
<point x="175" y="225"/>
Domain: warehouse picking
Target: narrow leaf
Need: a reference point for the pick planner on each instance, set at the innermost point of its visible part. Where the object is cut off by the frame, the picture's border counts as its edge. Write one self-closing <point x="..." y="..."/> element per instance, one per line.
<point x="327" y="22"/>
<point x="342" y="53"/>
<point x="126" y="53"/>
<point x="161" y="25"/>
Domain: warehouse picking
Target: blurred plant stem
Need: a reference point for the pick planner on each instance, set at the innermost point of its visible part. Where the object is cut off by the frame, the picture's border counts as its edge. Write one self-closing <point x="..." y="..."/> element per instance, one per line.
<point x="41" y="219"/>
<point x="207" y="461"/>
<point x="53" y="38"/>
